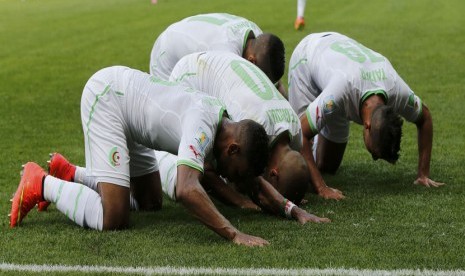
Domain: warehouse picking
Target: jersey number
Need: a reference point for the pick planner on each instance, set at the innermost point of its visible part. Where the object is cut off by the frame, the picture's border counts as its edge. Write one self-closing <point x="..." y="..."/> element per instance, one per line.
<point x="356" y="51"/>
<point x="256" y="80"/>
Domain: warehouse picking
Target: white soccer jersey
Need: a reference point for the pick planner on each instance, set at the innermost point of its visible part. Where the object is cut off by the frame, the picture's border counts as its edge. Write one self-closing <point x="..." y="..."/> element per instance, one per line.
<point x="126" y="113"/>
<point x="330" y="75"/>
<point x="213" y="31"/>
<point x="244" y="88"/>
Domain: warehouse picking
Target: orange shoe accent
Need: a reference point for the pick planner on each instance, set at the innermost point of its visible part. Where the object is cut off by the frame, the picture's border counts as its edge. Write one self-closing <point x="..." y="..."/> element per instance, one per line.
<point x="299" y="23"/>
<point x="28" y="194"/>
<point x="59" y="167"/>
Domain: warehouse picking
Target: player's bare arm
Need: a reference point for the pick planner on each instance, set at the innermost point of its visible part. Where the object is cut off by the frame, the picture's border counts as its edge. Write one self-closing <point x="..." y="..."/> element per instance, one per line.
<point x="271" y="200"/>
<point x="317" y="180"/>
<point x="425" y="144"/>
<point x="191" y="194"/>
<point x="226" y="193"/>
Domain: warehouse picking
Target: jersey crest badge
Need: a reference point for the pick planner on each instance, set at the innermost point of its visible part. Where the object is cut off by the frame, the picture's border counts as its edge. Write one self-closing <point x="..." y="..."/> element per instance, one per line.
<point x="329" y="105"/>
<point x="411" y="99"/>
<point x="202" y="139"/>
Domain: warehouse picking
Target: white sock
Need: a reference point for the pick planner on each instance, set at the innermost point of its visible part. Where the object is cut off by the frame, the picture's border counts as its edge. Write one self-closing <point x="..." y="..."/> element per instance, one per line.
<point x="81" y="177"/>
<point x="78" y="202"/>
<point x="301" y="8"/>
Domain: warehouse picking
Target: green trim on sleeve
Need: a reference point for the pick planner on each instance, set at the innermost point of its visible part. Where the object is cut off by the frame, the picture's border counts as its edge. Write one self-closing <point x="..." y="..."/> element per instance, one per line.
<point x="189" y="164"/>
<point x="309" y="119"/>
<point x="420" y="114"/>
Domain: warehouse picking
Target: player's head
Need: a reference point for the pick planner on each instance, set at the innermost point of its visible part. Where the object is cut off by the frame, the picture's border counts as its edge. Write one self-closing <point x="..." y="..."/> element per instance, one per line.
<point x="290" y="176"/>
<point x="246" y="155"/>
<point x="382" y="138"/>
<point x="269" y="56"/>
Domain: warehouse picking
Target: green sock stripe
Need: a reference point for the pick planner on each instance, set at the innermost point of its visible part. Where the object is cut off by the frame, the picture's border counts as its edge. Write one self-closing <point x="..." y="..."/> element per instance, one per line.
<point x="77" y="201"/>
<point x="62" y="183"/>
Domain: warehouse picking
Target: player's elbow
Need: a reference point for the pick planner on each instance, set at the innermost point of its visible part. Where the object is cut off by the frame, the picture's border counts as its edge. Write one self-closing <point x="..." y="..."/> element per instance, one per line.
<point x="186" y="190"/>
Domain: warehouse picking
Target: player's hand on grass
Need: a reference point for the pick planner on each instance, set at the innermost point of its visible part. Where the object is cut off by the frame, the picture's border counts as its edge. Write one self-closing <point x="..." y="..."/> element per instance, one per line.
<point x="303" y="216"/>
<point x="248" y="240"/>
<point x="425" y="181"/>
<point x="331" y="193"/>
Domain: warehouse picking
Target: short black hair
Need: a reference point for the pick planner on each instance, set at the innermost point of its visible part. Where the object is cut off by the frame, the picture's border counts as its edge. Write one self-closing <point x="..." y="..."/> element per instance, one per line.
<point x="388" y="135"/>
<point x="274" y="59"/>
<point x="255" y="145"/>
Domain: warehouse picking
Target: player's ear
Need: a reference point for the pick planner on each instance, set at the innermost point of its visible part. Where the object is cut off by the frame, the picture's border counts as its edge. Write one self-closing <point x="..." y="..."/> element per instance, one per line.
<point x="367" y="125"/>
<point x="233" y="148"/>
<point x="274" y="172"/>
<point x="252" y="59"/>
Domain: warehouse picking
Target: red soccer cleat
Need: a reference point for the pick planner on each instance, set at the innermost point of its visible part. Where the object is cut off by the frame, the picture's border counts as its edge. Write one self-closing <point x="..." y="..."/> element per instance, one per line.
<point x="42" y="206"/>
<point x="59" y="167"/>
<point x="28" y="194"/>
<point x="299" y="23"/>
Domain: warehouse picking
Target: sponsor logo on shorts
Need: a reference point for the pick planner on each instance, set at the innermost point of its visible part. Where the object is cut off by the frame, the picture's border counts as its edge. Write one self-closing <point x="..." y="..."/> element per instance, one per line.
<point x="114" y="157"/>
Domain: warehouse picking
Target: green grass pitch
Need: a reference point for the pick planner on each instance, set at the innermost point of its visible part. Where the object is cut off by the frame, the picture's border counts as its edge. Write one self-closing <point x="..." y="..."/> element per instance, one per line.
<point x="49" y="48"/>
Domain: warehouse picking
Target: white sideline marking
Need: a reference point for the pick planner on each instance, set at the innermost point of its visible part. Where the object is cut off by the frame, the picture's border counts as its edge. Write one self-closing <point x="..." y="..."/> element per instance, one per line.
<point x="168" y="270"/>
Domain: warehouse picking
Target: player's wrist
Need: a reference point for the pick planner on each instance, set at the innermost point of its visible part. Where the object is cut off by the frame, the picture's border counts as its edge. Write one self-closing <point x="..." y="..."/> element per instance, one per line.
<point x="230" y="233"/>
<point x="287" y="207"/>
<point x="321" y="188"/>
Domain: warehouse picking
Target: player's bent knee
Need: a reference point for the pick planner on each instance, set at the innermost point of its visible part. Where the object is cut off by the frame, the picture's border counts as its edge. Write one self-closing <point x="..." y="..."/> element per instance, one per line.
<point x="115" y="221"/>
<point x="115" y="216"/>
<point x="115" y="203"/>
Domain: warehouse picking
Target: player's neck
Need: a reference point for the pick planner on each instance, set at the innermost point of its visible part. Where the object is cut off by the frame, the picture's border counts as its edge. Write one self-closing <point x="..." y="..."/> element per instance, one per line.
<point x="224" y="134"/>
<point x="368" y="106"/>
<point x="279" y="149"/>
<point x="248" y="49"/>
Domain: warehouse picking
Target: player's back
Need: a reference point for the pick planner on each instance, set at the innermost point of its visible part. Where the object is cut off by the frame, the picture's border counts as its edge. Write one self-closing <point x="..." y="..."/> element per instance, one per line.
<point x="243" y="87"/>
<point x="214" y="31"/>
<point x="340" y="65"/>
<point x="333" y="55"/>
<point x="158" y="113"/>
